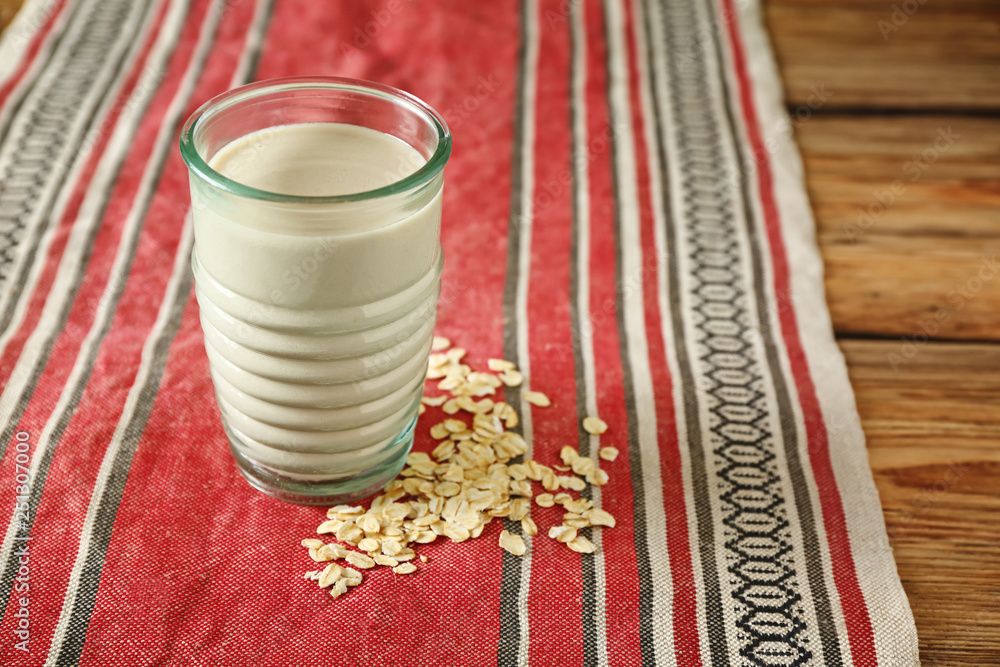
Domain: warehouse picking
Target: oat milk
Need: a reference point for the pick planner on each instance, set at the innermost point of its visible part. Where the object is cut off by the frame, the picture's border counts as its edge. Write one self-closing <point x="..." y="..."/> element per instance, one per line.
<point x="317" y="320"/>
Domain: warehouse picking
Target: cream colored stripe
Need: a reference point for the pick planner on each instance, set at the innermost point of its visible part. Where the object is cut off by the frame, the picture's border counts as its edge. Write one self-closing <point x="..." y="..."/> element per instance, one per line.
<point x="181" y="261"/>
<point x="164" y="142"/>
<point x="892" y="619"/>
<point x="581" y="184"/>
<point x="172" y="296"/>
<point x="635" y="325"/>
<point x="15" y="39"/>
<point x="521" y="299"/>
<point x="63" y="167"/>
<point x="654" y="87"/>
<point x="87" y="218"/>
<point x="69" y="269"/>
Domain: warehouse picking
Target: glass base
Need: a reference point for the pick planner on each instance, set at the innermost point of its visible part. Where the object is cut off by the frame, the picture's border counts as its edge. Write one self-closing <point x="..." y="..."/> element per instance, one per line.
<point x="336" y="490"/>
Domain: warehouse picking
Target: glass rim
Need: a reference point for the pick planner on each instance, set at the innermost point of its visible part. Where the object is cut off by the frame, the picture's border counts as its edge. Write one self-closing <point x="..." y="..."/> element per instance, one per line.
<point x="197" y="164"/>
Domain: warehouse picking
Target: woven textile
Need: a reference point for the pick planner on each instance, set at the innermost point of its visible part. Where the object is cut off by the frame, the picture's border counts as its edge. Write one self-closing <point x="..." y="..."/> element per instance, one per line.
<point x="624" y="218"/>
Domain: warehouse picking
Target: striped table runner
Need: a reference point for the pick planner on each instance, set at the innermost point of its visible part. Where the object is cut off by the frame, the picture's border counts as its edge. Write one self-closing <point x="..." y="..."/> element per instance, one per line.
<point x="624" y="218"/>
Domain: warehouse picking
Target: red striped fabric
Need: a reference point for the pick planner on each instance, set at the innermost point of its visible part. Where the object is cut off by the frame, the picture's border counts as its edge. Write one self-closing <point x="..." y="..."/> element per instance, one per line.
<point x="624" y="217"/>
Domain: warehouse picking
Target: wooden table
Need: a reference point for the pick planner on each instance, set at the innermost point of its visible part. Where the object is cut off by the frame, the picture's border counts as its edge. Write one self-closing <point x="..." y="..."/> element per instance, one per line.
<point x="913" y="284"/>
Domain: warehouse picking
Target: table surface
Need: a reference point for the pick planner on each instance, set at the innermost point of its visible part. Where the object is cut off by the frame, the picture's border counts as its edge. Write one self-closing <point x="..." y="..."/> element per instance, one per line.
<point x="897" y="116"/>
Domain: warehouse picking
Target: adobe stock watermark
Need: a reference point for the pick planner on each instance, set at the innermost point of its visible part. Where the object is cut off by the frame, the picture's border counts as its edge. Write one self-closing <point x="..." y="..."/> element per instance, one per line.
<point x="148" y="82"/>
<point x="547" y="192"/>
<point x="459" y="112"/>
<point x="301" y="275"/>
<point x="604" y="315"/>
<point x="33" y="23"/>
<point x="365" y="34"/>
<point x="559" y="15"/>
<point x="21" y="591"/>
<point x="913" y="170"/>
<point x="901" y="13"/>
<point x="957" y="298"/>
<point x="927" y="498"/>
<point x="817" y="98"/>
<point x="701" y="42"/>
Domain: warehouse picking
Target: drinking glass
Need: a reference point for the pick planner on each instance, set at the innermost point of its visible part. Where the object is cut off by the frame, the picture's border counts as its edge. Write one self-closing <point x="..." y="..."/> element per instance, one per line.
<point x="317" y="311"/>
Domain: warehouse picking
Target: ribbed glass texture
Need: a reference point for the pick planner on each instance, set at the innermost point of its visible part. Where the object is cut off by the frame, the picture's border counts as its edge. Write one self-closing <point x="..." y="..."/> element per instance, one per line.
<point x="318" y="312"/>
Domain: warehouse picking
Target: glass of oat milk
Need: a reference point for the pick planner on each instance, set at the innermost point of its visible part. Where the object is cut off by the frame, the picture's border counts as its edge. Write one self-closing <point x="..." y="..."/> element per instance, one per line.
<point x="317" y="208"/>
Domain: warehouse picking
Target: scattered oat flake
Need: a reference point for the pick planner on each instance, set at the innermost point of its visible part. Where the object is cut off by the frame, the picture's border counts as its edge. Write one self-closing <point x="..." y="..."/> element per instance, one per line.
<point x="332" y="551"/>
<point x="573" y="483"/>
<point x="608" y="453"/>
<point x="594" y="425"/>
<point x="360" y="560"/>
<point x="537" y="398"/>
<point x="339" y="588"/>
<point x="330" y="526"/>
<point x="369" y="544"/>
<point x="329" y="575"/>
<point x="582" y="545"/>
<point x="344" y="511"/>
<point x="578" y="506"/>
<point x="443" y="451"/>
<point x="512" y="378"/>
<point x="454" y="425"/>
<point x="599" y="517"/>
<point x="350" y="533"/>
<point x="597" y="477"/>
<point x="512" y="543"/>
<point x="499" y="365"/>
<point x="562" y="533"/>
<point x="449" y="383"/>
<point x="433" y="400"/>
<point x="369" y="523"/>
<point x="469" y="480"/>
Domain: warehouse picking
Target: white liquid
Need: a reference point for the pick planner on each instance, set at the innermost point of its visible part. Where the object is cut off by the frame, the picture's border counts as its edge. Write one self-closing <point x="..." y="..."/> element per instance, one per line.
<point x="317" y="318"/>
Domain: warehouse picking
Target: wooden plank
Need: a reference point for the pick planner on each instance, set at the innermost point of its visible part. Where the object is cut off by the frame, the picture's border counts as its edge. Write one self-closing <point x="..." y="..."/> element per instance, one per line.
<point x="933" y="430"/>
<point x="908" y="221"/>
<point x="944" y="55"/>
<point x="8" y="8"/>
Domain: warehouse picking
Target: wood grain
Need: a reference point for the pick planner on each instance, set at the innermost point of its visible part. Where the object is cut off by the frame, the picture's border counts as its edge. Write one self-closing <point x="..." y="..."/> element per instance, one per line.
<point x="8" y="8"/>
<point x="944" y="55"/>
<point x="908" y="218"/>
<point x="933" y="430"/>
